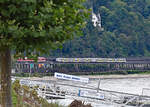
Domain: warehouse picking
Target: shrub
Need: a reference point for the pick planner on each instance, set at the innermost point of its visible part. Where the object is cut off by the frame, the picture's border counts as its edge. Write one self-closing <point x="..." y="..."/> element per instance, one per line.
<point x="78" y="103"/>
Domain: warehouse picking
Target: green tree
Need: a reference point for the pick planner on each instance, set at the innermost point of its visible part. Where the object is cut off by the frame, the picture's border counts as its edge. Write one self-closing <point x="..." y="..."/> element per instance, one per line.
<point x="32" y="28"/>
<point x="126" y="31"/>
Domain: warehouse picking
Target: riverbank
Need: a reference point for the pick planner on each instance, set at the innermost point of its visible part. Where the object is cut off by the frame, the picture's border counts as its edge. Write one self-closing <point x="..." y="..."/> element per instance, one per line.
<point x="110" y="76"/>
<point x="117" y="76"/>
<point x="93" y="77"/>
<point x="107" y="73"/>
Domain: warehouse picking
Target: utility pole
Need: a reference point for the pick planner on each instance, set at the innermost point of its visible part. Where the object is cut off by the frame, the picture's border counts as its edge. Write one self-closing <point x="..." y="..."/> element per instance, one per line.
<point x="98" y="86"/>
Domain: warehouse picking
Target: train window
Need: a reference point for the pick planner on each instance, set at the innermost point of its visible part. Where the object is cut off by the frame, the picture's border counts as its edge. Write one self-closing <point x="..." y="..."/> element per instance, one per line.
<point x="41" y="59"/>
<point x="99" y="60"/>
<point x="66" y="60"/>
<point x="83" y="60"/>
<point x="62" y="60"/>
<point x="88" y="60"/>
<point x="113" y="60"/>
<point x="75" y="59"/>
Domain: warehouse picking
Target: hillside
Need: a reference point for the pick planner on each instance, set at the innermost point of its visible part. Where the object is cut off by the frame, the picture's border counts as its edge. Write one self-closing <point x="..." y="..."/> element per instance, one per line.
<point x="126" y="31"/>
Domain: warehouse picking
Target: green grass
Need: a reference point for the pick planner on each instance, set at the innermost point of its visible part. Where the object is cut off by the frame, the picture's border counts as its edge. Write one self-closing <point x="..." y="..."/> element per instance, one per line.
<point x="14" y="98"/>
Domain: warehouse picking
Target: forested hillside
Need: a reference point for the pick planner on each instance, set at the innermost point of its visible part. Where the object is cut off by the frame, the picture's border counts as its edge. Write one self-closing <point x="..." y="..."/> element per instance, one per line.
<point x="126" y="31"/>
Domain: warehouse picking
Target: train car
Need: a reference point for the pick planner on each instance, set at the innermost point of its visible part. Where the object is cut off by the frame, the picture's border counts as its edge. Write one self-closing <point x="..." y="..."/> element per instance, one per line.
<point x="94" y="60"/>
<point x="40" y="59"/>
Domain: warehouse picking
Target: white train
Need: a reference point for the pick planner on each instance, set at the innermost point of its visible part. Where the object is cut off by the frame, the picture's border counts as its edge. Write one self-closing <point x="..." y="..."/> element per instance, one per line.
<point x="91" y="59"/>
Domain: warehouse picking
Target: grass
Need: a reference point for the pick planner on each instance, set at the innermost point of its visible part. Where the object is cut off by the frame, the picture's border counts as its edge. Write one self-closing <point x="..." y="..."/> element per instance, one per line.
<point x="14" y="98"/>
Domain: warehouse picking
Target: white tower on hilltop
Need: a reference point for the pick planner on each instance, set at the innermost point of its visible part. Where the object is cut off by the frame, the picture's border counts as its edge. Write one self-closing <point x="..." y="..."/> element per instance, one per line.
<point x="96" y="19"/>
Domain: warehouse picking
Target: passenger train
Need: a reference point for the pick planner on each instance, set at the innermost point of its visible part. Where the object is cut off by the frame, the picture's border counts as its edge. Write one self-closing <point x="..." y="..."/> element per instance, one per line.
<point x="39" y="59"/>
<point x="94" y="60"/>
<point x="75" y="60"/>
<point x="82" y="64"/>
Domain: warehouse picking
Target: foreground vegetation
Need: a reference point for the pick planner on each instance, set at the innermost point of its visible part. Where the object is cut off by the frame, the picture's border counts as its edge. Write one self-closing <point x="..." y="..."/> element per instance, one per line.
<point x="32" y="28"/>
<point x="23" y="96"/>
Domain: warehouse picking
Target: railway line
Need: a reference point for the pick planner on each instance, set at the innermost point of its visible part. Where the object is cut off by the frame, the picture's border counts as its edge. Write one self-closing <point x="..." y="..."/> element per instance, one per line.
<point x="83" y="64"/>
<point x="141" y="60"/>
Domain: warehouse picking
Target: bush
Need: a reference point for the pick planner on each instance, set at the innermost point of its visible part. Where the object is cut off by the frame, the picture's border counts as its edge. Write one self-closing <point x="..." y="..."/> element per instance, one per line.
<point x="23" y="96"/>
<point x="78" y="103"/>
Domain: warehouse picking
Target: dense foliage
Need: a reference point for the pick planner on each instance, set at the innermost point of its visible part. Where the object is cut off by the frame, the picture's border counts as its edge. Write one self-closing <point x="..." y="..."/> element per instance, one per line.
<point x="126" y="32"/>
<point x="33" y="27"/>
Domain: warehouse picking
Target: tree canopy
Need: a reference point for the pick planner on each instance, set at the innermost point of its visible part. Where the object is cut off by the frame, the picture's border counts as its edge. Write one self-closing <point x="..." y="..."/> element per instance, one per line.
<point x="35" y="26"/>
<point x="126" y="32"/>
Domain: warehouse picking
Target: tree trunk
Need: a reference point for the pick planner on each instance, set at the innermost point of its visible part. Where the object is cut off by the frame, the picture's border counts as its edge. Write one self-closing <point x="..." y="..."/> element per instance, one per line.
<point x="5" y="63"/>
